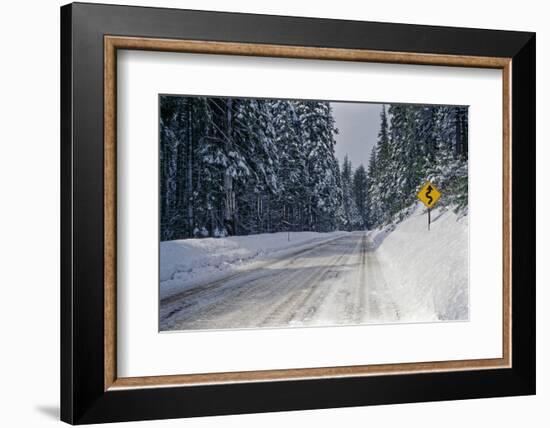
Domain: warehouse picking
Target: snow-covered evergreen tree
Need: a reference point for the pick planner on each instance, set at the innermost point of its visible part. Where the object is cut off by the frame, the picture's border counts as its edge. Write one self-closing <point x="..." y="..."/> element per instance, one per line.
<point x="323" y="195"/>
<point x="378" y="174"/>
<point x="449" y="168"/>
<point x="350" y="213"/>
<point x="240" y="166"/>
<point x="360" y="194"/>
<point x="235" y="166"/>
<point x="415" y="144"/>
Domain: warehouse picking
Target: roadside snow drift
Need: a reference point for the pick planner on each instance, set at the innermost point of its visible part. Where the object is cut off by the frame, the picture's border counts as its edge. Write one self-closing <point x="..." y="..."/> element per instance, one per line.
<point x="426" y="272"/>
<point x="396" y="274"/>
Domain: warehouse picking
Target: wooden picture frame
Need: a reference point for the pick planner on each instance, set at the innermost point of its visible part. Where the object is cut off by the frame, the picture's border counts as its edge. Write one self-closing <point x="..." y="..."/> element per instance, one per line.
<point x="91" y="390"/>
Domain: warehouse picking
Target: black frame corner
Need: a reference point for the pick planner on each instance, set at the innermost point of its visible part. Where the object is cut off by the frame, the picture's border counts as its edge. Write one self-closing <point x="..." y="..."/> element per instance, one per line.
<point x="83" y="399"/>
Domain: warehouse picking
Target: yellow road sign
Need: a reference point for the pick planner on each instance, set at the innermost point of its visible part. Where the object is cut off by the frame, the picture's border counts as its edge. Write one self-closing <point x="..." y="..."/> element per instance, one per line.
<point x="429" y="195"/>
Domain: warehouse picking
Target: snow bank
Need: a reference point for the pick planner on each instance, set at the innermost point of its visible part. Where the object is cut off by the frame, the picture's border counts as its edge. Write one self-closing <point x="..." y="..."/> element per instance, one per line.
<point x="187" y="262"/>
<point x="426" y="272"/>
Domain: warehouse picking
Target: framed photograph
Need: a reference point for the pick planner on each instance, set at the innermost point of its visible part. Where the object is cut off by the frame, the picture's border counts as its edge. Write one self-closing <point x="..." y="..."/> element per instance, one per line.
<point x="265" y="213"/>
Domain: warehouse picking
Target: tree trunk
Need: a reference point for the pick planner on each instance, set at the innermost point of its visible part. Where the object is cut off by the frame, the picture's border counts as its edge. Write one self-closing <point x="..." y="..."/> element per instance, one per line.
<point x="458" y="143"/>
<point x="190" y="199"/>
<point x="179" y="200"/>
<point x="464" y="132"/>
<point x="229" y="212"/>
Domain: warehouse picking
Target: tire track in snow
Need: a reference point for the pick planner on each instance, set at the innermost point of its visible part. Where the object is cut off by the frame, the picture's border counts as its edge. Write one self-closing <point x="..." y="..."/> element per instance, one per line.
<point x="200" y="288"/>
<point x="220" y="295"/>
<point x="361" y="287"/>
<point x="339" y="282"/>
<point x="315" y="283"/>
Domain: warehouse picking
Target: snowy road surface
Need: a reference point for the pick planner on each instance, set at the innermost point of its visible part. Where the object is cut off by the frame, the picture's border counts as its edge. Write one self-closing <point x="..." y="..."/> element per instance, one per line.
<point x="335" y="282"/>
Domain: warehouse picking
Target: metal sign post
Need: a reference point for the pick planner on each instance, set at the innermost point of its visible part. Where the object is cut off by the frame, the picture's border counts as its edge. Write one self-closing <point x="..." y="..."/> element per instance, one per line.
<point x="429" y="195"/>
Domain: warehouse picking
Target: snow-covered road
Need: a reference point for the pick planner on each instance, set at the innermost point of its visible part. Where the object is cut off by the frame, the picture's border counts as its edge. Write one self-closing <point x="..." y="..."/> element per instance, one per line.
<point x="335" y="282"/>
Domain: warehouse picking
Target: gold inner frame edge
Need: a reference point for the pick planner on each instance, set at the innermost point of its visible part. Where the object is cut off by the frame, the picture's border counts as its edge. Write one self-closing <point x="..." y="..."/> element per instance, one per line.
<point x="113" y="43"/>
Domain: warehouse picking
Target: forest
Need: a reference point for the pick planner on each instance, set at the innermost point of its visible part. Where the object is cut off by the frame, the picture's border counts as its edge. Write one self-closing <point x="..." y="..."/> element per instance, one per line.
<point x="236" y="166"/>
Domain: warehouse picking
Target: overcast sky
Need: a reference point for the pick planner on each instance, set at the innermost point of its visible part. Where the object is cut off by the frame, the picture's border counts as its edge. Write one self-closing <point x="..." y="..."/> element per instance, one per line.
<point x="358" y="125"/>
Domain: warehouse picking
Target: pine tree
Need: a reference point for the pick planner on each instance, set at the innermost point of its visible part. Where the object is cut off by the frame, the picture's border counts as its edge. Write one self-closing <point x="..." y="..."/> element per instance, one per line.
<point x="419" y="143"/>
<point x="255" y="139"/>
<point x="231" y="166"/>
<point x="373" y="204"/>
<point x="359" y="190"/>
<point x="379" y="173"/>
<point x="351" y="216"/>
<point x="449" y="170"/>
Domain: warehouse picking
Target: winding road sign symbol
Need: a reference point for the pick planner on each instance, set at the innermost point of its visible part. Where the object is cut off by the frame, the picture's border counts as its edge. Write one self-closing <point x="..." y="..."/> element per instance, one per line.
<point x="429" y="195"/>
